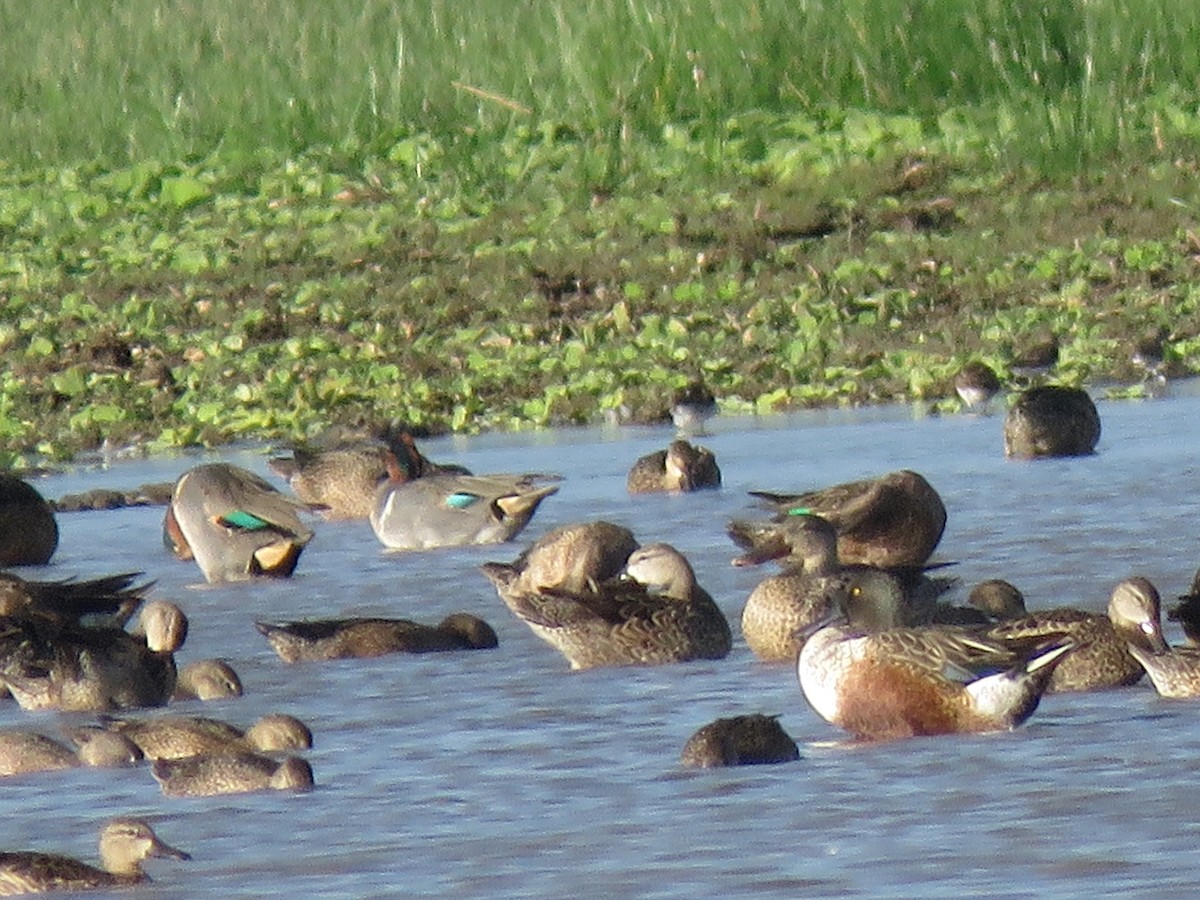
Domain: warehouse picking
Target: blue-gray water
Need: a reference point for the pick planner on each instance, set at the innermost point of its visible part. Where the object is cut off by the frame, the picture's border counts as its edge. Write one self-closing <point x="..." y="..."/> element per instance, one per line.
<point x="501" y="773"/>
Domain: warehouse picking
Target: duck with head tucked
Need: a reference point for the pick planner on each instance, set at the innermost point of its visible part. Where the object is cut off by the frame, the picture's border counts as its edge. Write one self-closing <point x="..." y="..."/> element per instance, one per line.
<point x="574" y="557"/>
<point x="124" y="844"/>
<point x="1049" y="421"/>
<point x="893" y="521"/>
<point x="360" y="638"/>
<point x="681" y="468"/>
<point x="234" y="524"/>
<point x="455" y="510"/>
<point x="93" y="668"/>
<point x="656" y="614"/>
<point x="740" y="741"/>
<point x="28" y="530"/>
<point x="882" y="683"/>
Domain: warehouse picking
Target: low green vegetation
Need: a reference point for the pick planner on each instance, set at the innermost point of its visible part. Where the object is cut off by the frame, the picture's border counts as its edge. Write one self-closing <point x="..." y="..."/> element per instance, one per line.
<point x="218" y="224"/>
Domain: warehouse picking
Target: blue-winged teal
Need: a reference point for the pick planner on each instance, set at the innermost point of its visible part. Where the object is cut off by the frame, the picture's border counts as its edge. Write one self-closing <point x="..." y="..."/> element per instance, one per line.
<point x="231" y="773"/>
<point x="906" y="682"/>
<point x="28" y="530"/>
<point x="692" y="406"/>
<point x="891" y="521"/>
<point x="92" y="668"/>
<point x="180" y="737"/>
<point x="680" y="468"/>
<point x="453" y="510"/>
<point x="740" y="741"/>
<point x="234" y="524"/>
<point x="124" y="844"/>
<point x="1051" y="421"/>
<point x="1174" y="671"/>
<point x="658" y="614"/>
<point x="364" y="637"/>
<point x="976" y="384"/>
<point x="207" y="679"/>
<point x="574" y="557"/>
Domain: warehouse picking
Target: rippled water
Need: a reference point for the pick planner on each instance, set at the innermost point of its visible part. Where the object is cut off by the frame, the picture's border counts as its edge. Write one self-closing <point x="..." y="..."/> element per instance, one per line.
<point x="502" y="773"/>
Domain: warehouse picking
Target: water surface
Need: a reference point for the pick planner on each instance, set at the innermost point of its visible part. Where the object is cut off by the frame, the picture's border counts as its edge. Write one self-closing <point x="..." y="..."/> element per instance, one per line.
<point x="502" y="773"/>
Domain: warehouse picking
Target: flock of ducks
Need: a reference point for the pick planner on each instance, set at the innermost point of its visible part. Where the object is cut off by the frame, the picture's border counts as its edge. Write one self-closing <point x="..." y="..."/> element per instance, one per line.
<point x="856" y="607"/>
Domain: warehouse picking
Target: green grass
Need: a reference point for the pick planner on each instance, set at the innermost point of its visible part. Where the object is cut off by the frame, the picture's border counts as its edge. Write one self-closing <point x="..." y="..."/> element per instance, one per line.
<point x="142" y="79"/>
<point x="224" y="220"/>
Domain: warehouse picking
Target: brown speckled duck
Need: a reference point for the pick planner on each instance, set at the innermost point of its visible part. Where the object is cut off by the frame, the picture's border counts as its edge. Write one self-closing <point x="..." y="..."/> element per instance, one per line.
<point x="574" y="557"/>
<point x="682" y="467"/>
<point x="892" y="521"/>
<point x="124" y="844"/>
<point x="28" y="530"/>
<point x="25" y="752"/>
<point x="180" y="737"/>
<point x="1136" y="610"/>
<point x="1051" y="420"/>
<point x="657" y="614"/>
<point x="231" y="773"/>
<point x="207" y="679"/>
<point x="740" y="741"/>
<point x="366" y="637"/>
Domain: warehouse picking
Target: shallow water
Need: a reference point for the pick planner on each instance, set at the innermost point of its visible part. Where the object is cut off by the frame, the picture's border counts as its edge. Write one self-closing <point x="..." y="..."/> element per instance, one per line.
<point x="501" y="773"/>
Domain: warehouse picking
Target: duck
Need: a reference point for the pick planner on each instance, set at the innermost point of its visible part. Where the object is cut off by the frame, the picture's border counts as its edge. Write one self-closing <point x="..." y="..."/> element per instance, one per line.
<point x="231" y="773"/>
<point x="456" y="510"/>
<point x="180" y="737"/>
<point x="782" y="605"/>
<point x="342" y="479"/>
<point x="1136" y="607"/>
<point x="976" y="383"/>
<point x="77" y="669"/>
<point x="656" y="613"/>
<point x="997" y="600"/>
<point x="107" y="602"/>
<point x="692" y="406"/>
<point x="682" y="467"/>
<point x="234" y="524"/>
<point x="891" y="521"/>
<point x="1187" y="612"/>
<point x="28" y="529"/>
<point x="749" y="740"/>
<point x="206" y="679"/>
<point x="573" y="557"/>
<point x="124" y="844"/>
<point x="26" y="752"/>
<point x="359" y="638"/>
<point x="883" y="683"/>
<point x="1101" y="659"/>
<point x="1051" y="421"/>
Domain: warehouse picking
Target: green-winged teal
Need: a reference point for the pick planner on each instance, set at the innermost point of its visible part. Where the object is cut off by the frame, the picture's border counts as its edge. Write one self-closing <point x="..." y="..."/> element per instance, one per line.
<point x="124" y="844"/>
<point x="657" y="614"/>
<point x="976" y="384"/>
<point x="574" y="557"/>
<point x="359" y="638"/>
<point x="108" y="601"/>
<point x="740" y="741"/>
<point x="180" y="737"/>
<point x="231" y="773"/>
<point x="206" y="679"/>
<point x="692" y="406"/>
<point x="906" y="682"/>
<point x="51" y="667"/>
<point x="1051" y="421"/>
<point x="892" y="521"/>
<point x="234" y="524"/>
<point x="680" y="468"/>
<point x="1135" y="608"/>
<point x="28" y="530"/>
<point x="453" y="510"/>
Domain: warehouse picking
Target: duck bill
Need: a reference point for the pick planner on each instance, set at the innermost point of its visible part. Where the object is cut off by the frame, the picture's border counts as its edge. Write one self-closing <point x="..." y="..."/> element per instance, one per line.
<point x="833" y="616"/>
<point x="164" y="850"/>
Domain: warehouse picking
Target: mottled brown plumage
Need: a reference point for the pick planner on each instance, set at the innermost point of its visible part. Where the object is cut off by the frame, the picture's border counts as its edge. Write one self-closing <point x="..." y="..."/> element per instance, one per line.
<point x="682" y="467"/>
<point x="231" y="773"/>
<point x="740" y="741"/>
<point x="367" y="637"/>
